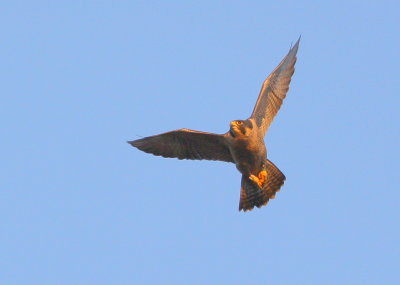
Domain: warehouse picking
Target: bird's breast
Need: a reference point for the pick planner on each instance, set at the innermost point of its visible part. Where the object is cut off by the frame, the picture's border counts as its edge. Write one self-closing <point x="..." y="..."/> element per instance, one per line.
<point x="248" y="155"/>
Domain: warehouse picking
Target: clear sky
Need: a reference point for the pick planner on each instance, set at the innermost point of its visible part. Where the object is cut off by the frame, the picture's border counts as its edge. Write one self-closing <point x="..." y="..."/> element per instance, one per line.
<point x="78" y="205"/>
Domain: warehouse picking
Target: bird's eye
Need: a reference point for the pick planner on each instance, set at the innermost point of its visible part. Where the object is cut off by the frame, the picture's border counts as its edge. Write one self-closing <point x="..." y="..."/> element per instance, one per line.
<point x="239" y="122"/>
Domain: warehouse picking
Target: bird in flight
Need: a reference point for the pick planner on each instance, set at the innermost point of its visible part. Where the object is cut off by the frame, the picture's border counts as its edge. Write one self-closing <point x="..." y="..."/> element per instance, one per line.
<point x="243" y="144"/>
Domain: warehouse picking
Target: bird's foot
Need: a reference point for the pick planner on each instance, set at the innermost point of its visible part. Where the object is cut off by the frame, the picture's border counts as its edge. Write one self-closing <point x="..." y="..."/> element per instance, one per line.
<point x="255" y="179"/>
<point x="262" y="176"/>
<point x="260" y="180"/>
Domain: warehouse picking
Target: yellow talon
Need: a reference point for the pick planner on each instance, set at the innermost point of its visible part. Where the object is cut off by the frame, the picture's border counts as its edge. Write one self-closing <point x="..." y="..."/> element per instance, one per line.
<point x="255" y="179"/>
<point x="262" y="176"/>
<point x="260" y="180"/>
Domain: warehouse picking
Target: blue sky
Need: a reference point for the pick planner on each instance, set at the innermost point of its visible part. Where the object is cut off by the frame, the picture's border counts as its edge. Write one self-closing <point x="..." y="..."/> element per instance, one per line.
<point x="80" y="206"/>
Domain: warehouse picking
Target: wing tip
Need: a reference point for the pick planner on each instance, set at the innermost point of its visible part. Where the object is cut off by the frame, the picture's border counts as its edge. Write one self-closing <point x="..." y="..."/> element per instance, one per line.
<point x="295" y="47"/>
<point x="135" y="143"/>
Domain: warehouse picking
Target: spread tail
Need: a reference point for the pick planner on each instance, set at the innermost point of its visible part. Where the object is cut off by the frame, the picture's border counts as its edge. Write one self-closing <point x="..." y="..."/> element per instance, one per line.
<point x="251" y="195"/>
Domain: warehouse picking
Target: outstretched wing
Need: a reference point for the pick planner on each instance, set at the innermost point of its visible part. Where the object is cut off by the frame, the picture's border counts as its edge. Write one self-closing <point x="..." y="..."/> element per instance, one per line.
<point x="186" y="144"/>
<point x="274" y="90"/>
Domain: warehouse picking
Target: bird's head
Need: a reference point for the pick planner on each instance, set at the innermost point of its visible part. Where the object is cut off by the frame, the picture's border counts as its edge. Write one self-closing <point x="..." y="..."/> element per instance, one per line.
<point x="240" y="128"/>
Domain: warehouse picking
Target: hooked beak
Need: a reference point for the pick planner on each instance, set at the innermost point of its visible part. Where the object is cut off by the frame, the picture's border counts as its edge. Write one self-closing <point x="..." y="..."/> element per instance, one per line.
<point x="233" y="129"/>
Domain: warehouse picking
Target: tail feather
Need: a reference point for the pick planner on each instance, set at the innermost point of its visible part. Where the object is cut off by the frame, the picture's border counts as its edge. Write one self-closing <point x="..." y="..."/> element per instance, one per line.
<point x="251" y="195"/>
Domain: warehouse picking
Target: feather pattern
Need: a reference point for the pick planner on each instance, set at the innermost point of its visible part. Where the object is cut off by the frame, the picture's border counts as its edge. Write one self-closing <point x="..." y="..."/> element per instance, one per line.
<point x="186" y="144"/>
<point x="274" y="90"/>
<point x="253" y="196"/>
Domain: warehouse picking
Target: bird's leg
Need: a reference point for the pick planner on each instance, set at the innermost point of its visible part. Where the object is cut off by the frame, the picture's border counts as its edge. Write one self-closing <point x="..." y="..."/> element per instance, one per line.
<point x="255" y="179"/>
<point x="262" y="176"/>
<point x="260" y="180"/>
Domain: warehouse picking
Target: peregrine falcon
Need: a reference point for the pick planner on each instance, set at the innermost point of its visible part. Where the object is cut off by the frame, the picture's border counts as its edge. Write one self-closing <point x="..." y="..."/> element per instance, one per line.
<point x="243" y="144"/>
